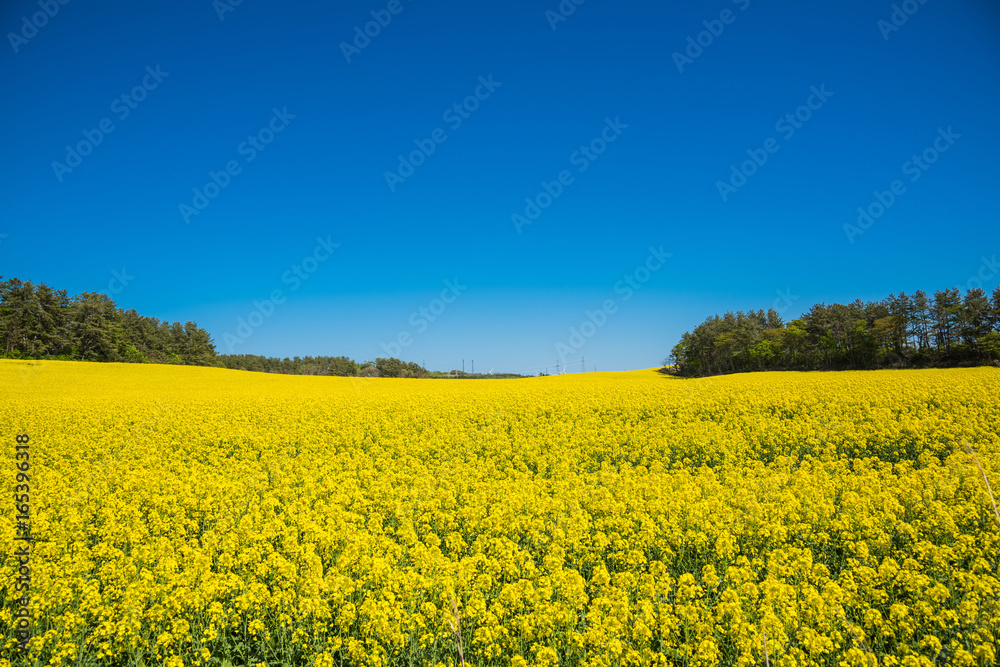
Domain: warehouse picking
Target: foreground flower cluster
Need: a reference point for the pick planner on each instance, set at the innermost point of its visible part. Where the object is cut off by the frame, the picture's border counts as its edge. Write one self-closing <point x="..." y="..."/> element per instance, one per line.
<point x="196" y="516"/>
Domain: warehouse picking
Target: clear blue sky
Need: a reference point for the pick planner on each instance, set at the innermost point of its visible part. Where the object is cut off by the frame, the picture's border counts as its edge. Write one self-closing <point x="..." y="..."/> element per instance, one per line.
<point x="676" y="126"/>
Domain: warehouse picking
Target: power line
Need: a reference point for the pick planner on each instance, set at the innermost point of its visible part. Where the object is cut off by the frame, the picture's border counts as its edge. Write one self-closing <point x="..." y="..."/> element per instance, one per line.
<point x="563" y="368"/>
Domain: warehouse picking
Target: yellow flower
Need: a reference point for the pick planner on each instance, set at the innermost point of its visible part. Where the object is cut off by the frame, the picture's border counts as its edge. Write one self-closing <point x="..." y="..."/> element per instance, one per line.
<point x="596" y="519"/>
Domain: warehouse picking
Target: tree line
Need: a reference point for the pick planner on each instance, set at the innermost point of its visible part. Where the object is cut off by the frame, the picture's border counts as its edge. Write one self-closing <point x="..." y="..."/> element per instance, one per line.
<point x="898" y="332"/>
<point x="340" y="366"/>
<point x="38" y="322"/>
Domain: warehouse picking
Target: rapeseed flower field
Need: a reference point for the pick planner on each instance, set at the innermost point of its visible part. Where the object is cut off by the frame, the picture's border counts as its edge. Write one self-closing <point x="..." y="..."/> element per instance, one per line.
<point x="198" y="516"/>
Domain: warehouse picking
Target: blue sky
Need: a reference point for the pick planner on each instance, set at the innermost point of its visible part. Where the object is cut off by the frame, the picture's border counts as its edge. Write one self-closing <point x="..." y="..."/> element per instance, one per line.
<point x="618" y="127"/>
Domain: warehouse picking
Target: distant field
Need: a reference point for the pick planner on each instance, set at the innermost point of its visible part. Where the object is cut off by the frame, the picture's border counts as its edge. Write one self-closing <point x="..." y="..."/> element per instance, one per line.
<point x="200" y="516"/>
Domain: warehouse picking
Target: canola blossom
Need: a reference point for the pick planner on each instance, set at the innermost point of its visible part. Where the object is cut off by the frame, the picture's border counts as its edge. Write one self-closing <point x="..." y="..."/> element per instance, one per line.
<point x="199" y="516"/>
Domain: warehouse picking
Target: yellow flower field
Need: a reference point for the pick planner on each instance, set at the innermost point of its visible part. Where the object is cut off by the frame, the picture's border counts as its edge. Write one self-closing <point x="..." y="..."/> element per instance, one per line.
<point x="198" y="516"/>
